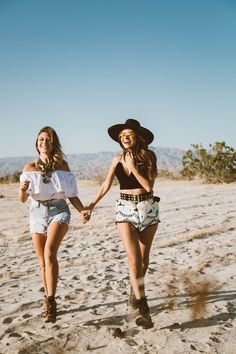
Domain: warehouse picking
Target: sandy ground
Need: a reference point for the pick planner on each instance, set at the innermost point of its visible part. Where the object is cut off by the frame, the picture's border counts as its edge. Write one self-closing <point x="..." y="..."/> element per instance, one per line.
<point x="191" y="282"/>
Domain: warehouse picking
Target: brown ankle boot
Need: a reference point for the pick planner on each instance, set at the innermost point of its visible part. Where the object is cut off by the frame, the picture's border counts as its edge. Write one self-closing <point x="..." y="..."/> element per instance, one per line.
<point x="45" y="306"/>
<point x="51" y="313"/>
<point x="143" y="318"/>
<point x="132" y="301"/>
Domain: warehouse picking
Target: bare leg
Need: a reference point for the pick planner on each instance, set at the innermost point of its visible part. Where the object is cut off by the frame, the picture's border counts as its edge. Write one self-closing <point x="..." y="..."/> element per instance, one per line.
<point x="137" y="246"/>
<point x="39" y="244"/>
<point x="145" y="242"/>
<point x="56" y="232"/>
<point x="130" y="239"/>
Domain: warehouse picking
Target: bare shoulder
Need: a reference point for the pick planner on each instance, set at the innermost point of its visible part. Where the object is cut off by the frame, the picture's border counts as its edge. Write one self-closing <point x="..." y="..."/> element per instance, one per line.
<point x="30" y="167"/>
<point x="116" y="159"/>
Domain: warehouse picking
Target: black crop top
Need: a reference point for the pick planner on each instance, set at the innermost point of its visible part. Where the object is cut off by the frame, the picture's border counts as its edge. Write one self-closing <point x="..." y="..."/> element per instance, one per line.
<point x="126" y="182"/>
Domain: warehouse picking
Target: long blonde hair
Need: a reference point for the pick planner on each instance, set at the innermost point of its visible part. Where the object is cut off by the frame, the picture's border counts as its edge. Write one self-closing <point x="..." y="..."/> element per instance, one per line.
<point x="57" y="156"/>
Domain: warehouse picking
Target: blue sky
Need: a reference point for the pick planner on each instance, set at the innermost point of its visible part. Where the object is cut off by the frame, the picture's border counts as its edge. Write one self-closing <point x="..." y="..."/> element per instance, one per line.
<point x="84" y="65"/>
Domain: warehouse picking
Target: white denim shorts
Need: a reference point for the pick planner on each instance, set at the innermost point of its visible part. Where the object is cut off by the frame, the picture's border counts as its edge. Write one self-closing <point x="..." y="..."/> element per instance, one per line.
<point x="140" y="215"/>
<point x="43" y="213"/>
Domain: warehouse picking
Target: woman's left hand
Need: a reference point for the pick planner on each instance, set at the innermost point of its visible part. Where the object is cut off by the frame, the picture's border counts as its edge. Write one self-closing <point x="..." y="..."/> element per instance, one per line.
<point x="84" y="216"/>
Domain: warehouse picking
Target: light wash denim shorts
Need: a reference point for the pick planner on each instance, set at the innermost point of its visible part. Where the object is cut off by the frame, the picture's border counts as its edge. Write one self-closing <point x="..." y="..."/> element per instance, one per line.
<point x="140" y="215"/>
<point x="43" y="213"/>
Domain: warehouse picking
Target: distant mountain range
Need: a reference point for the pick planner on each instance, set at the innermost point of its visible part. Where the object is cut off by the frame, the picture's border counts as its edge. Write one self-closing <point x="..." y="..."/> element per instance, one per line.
<point x="94" y="165"/>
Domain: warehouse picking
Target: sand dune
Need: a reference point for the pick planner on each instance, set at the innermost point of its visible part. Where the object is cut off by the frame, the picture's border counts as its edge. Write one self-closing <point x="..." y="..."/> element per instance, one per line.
<point x="191" y="282"/>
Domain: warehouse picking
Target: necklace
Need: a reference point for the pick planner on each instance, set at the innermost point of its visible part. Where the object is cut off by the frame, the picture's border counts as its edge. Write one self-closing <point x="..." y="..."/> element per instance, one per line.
<point x="45" y="170"/>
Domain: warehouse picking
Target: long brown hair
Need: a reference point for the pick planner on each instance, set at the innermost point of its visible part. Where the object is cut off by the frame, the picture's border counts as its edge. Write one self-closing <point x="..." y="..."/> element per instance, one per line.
<point x="144" y="159"/>
<point x="57" y="156"/>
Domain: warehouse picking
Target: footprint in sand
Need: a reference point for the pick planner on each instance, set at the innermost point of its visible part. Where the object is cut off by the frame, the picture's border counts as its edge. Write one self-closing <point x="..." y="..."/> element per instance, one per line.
<point x="231" y="307"/>
<point x="69" y="246"/>
<point x="215" y="339"/>
<point x="27" y="315"/>
<point x="8" y="320"/>
<point x="151" y="270"/>
<point x="14" y="334"/>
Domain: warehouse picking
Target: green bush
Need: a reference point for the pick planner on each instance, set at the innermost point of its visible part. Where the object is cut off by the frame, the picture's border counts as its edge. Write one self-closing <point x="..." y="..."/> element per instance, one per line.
<point x="15" y="177"/>
<point x="217" y="165"/>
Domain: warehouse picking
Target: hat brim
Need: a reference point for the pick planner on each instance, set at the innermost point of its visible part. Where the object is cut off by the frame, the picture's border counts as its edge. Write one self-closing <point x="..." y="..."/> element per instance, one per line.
<point x="114" y="132"/>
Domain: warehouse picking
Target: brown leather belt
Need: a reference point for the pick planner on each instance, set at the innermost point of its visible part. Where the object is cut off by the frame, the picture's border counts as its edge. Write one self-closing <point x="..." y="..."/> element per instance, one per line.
<point x="136" y="197"/>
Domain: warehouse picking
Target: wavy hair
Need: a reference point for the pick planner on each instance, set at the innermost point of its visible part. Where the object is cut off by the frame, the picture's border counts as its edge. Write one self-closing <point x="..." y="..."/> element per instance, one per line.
<point x="144" y="159"/>
<point x="57" y="157"/>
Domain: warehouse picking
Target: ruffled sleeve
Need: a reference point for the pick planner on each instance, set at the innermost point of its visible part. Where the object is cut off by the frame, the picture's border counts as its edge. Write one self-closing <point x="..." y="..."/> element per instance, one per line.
<point x="61" y="182"/>
<point x="65" y="182"/>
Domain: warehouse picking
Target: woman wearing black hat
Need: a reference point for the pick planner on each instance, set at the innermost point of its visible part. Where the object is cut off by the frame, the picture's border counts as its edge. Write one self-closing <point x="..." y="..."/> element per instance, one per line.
<point x="137" y="214"/>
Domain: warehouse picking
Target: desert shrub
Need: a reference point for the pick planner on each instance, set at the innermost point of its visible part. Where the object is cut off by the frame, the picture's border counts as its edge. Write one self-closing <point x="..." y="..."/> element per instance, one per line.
<point x="15" y="177"/>
<point x="166" y="174"/>
<point x="215" y="165"/>
<point x="99" y="176"/>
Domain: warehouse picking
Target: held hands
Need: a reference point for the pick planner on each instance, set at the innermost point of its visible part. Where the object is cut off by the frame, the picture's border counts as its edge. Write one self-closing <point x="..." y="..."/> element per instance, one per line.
<point x="85" y="215"/>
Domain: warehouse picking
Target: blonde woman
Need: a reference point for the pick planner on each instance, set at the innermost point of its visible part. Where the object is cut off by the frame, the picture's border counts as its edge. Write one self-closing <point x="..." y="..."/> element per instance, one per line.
<point x="48" y="182"/>
<point x="137" y="213"/>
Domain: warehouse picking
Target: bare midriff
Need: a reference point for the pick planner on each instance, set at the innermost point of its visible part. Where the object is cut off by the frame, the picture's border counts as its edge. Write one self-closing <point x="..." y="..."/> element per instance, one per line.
<point x="133" y="191"/>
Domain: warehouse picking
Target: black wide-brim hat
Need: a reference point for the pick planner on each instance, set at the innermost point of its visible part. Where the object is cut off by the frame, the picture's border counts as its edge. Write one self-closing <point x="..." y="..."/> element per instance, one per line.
<point x="144" y="133"/>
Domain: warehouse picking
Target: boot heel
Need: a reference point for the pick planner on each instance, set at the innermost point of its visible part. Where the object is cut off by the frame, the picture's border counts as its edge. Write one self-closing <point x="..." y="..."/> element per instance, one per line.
<point x="51" y="314"/>
<point x="143" y="319"/>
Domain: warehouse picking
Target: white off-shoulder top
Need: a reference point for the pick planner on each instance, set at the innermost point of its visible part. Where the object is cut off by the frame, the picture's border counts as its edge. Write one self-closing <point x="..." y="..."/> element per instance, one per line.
<point x="62" y="185"/>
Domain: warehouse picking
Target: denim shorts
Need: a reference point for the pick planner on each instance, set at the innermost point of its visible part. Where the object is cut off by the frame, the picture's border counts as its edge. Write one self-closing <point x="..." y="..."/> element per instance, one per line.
<point x="43" y="213"/>
<point x="140" y="215"/>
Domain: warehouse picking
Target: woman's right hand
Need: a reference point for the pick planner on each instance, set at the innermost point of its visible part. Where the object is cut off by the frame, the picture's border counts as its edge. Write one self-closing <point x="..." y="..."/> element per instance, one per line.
<point x="23" y="196"/>
<point x="24" y="185"/>
<point x="129" y="160"/>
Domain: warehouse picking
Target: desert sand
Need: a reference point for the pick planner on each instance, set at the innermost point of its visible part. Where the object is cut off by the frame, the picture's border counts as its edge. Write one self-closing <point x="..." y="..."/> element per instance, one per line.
<point x="191" y="281"/>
